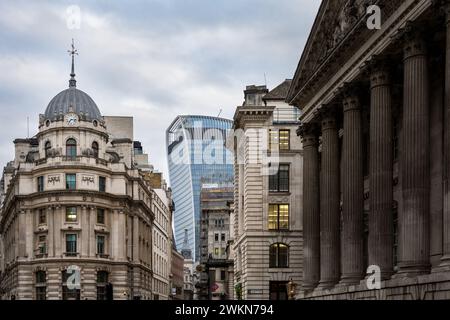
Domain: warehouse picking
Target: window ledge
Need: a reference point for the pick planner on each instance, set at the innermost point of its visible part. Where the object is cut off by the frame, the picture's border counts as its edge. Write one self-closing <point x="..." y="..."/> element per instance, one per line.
<point x="276" y="270"/>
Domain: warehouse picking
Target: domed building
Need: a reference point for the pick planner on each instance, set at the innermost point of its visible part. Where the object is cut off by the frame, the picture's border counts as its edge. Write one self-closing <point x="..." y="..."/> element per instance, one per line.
<point x="77" y="213"/>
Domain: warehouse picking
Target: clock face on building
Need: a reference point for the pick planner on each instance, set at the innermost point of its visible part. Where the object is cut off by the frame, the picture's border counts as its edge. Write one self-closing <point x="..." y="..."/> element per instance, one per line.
<point x="72" y="119"/>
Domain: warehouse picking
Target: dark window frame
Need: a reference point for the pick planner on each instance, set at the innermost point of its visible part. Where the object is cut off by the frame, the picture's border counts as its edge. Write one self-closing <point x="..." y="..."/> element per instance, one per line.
<point x="71" y="184"/>
<point x="277" y="182"/>
<point x="101" y="184"/>
<point x="278" y="258"/>
<point x="40" y="184"/>
<point x="72" y="245"/>
<point x="71" y="148"/>
<point x="278" y="224"/>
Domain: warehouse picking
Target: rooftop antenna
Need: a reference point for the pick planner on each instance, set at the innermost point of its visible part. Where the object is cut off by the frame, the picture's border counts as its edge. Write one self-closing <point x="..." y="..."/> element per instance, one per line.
<point x="220" y="112"/>
<point x="265" y="79"/>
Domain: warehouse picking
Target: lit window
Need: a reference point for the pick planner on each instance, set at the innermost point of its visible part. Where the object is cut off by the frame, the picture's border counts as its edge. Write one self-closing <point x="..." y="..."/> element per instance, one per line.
<point x="71" y="214"/>
<point x="279" y="139"/>
<point x="216" y="251"/>
<point x="279" y="256"/>
<point x="71" y="181"/>
<point x="279" y="217"/>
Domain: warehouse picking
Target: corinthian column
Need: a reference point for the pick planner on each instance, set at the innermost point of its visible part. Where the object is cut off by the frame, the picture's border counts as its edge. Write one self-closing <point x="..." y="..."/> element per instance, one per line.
<point x="381" y="197"/>
<point x="446" y="215"/>
<point x="353" y="191"/>
<point x="311" y="206"/>
<point x="329" y="203"/>
<point x="414" y="218"/>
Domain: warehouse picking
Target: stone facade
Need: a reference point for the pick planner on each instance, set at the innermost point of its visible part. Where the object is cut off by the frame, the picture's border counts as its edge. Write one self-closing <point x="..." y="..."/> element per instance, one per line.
<point x="77" y="217"/>
<point x="215" y="231"/>
<point x="267" y="239"/>
<point x="375" y="135"/>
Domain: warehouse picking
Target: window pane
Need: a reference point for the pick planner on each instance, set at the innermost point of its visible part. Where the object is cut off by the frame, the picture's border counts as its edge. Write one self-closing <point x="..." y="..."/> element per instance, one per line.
<point x="283" y="174"/>
<point x="100" y="244"/>
<point x="40" y="181"/>
<point x="71" y="214"/>
<point x="273" y="256"/>
<point x="71" y="148"/>
<point x="284" y="139"/>
<point x="71" y="243"/>
<point x="71" y="181"/>
<point x="273" y="217"/>
<point x="283" y="256"/>
<point x="273" y="140"/>
<point x="42" y="216"/>
<point x="101" y="216"/>
<point x="102" y="184"/>
<point x="284" y="216"/>
<point x="273" y="183"/>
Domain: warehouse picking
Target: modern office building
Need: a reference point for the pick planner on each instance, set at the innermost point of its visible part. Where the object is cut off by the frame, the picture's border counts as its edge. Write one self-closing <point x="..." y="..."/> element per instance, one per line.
<point x="196" y="155"/>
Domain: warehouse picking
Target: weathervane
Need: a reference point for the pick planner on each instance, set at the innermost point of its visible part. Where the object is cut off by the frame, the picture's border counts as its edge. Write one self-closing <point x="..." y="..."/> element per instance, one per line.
<point x="73" y="52"/>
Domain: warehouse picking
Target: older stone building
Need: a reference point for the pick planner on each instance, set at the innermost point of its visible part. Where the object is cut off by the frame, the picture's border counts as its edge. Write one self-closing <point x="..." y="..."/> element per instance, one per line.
<point x="267" y="240"/>
<point x="375" y="131"/>
<point x="78" y="216"/>
<point x="215" y="202"/>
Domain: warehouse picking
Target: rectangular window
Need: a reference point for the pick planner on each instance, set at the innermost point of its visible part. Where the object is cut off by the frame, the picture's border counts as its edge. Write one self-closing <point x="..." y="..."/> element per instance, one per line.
<point x="222" y="274"/>
<point x="216" y="237"/>
<point x="69" y="293"/>
<point x="278" y="290"/>
<point x="102" y="285"/>
<point x="284" y="139"/>
<point x="278" y="217"/>
<point x="71" y="181"/>
<point x="101" y="216"/>
<point x="71" y="243"/>
<point x="102" y="184"/>
<point x="71" y="214"/>
<point x="41" y="285"/>
<point x="222" y="237"/>
<point x="279" y="182"/>
<point x="216" y="251"/>
<point x="100" y="244"/>
<point x="222" y="251"/>
<point x="42" y="216"/>
<point x="42" y="244"/>
<point x="279" y="139"/>
<point x="40" y="184"/>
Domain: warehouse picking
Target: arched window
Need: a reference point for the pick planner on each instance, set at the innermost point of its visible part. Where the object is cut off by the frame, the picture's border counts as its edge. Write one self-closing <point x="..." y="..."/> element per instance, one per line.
<point x="95" y="149"/>
<point x="71" y="148"/>
<point x="279" y="256"/>
<point x="47" y="148"/>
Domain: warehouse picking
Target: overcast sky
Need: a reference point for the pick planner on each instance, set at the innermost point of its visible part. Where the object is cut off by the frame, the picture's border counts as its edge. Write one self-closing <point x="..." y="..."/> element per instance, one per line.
<point x="152" y="60"/>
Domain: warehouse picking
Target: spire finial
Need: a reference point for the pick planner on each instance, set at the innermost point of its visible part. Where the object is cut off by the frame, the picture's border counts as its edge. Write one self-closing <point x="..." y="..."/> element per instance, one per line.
<point x="73" y="52"/>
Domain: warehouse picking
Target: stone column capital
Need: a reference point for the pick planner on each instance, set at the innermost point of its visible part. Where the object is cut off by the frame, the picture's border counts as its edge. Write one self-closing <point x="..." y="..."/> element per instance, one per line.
<point x="443" y="8"/>
<point x="328" y="115"/>
<point x="414" y="43"/>
<point x="308" y="129"/>
<point x="351" y="97"/>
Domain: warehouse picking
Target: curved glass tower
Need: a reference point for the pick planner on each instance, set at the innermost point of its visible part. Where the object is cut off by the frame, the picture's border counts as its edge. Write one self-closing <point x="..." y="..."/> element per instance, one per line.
<point x="196" y="155"/>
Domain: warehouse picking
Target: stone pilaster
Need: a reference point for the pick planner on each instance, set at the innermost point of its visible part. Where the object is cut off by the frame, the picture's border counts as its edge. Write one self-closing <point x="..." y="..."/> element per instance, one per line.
<point x="446" y="176"/>
<point x="414" y="218"/>
<point x="329" y="203"/>
<point x="380" y="240"/>
<point x="311" y="206"/>
<point x="353" y="191"/>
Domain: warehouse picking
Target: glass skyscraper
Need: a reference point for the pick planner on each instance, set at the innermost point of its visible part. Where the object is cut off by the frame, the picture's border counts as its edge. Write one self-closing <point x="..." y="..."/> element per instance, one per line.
<point x="196" y="156"/>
